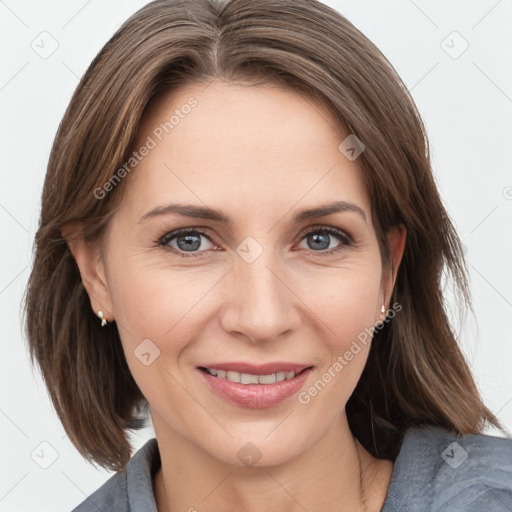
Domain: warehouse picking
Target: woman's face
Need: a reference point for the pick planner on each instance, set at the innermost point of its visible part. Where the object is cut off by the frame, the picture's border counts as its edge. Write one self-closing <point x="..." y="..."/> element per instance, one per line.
<point x="261" y="278"/>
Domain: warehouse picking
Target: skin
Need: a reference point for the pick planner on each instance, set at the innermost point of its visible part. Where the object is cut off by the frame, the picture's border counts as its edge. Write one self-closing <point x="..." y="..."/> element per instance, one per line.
<point x="259" y="154"/>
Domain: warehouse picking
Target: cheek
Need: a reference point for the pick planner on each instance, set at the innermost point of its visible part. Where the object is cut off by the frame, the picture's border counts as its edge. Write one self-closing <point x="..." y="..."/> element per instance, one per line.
<point x="346" y="306"/>
<point x="346" y="300"/>
<point x="347" y="312"/>
<point x="158" y="311"/>
<point x="155" y="301"/>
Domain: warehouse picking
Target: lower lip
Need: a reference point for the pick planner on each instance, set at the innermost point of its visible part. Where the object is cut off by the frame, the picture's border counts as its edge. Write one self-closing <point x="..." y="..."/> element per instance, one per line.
<point x="255" y="396"/>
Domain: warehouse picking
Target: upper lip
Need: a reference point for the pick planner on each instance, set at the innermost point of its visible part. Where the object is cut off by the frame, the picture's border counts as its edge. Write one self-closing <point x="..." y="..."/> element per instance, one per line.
<point x="258" y="369"/>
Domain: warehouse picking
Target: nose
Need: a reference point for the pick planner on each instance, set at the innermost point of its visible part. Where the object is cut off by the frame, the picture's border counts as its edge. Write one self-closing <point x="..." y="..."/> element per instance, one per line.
<point x="260" y="304"/>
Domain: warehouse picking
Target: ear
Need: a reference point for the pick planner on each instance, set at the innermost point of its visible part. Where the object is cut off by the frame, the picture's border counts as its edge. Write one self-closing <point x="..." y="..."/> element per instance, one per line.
<point x="396" y="241"/>
<point x="92" y="269"/>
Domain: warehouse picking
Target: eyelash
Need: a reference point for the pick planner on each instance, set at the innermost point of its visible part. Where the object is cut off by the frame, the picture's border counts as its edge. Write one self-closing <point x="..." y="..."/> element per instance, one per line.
<point x="163" y="242"/>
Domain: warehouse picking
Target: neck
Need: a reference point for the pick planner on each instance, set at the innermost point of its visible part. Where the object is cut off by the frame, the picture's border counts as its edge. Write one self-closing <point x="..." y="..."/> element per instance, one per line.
<point x="336" y="471"/>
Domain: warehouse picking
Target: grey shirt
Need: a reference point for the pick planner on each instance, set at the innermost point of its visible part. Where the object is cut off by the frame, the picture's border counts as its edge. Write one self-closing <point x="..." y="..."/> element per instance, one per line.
<point x="434" y="471"/>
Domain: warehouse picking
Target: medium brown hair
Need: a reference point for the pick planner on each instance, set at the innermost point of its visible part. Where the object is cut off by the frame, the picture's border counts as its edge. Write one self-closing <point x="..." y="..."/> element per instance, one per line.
<point x="415" y="373"/>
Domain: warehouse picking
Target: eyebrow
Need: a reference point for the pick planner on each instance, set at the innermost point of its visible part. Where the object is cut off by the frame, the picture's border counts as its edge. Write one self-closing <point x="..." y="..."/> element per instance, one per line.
<point x="203" y="212"/>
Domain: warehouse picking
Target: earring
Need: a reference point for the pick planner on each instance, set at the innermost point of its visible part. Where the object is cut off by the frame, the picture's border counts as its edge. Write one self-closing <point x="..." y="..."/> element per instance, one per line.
<point x="382" y="313"/>
<point x="103" y="321"/>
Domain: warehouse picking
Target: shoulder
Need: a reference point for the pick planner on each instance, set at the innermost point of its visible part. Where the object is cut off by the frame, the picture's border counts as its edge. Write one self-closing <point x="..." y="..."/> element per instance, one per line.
<point x="112" y="495"/>
<point x="130" y="490"/>
<point x="437" y="470"/>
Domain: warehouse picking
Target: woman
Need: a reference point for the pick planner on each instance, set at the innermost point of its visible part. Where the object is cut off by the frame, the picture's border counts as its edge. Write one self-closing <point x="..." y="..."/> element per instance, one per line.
<point x="241" y="236"/>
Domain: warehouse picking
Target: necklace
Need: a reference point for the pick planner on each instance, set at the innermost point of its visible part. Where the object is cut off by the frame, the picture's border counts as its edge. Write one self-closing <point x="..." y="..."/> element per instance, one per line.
<point x="362" y="494"/>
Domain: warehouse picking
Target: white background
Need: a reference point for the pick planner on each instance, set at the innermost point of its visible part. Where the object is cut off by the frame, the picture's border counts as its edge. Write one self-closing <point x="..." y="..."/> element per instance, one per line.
<point x="466" y="103"/>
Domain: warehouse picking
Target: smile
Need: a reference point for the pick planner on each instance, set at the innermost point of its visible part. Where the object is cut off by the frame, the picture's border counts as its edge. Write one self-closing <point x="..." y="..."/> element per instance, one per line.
<point x="248" y="378"/>
<point x="254" y="390"/>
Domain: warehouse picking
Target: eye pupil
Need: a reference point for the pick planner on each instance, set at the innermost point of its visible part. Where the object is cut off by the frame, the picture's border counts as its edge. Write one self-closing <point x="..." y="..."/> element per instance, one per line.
<point x="193" y="242"/>
<point x="319" y="238"/>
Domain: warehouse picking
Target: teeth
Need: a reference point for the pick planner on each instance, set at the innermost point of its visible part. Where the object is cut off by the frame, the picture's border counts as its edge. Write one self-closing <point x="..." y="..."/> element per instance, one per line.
<point x="267" y="379"/>
<point x="247" y="378"/>
<point x="233" y="376"/>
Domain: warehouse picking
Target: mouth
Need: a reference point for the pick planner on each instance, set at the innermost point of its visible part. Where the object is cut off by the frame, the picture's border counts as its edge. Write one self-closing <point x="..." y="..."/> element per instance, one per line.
<point x="252" y="378"/>
<point x="257" y="388"/>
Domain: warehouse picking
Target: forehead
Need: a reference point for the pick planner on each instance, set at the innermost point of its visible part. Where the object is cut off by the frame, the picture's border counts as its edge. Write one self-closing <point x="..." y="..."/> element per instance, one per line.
<point x="242" y="146"/>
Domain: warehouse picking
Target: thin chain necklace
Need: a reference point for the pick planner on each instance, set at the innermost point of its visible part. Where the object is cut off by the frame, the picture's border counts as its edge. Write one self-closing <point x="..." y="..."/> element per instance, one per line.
<point x="361" y="486"/>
